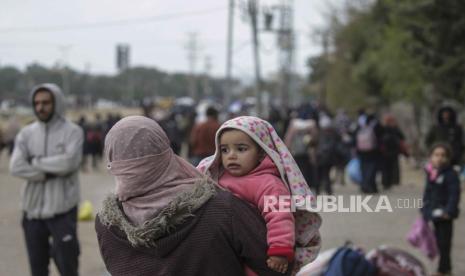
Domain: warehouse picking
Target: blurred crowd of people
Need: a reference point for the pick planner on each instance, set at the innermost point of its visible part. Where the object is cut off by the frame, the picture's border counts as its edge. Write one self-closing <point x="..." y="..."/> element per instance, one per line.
<point x="322" y="142"/>
<point x="94" y="137"/>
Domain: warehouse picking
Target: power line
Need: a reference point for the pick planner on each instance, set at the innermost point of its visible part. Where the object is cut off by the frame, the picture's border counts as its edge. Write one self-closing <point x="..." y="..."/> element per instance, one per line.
<point x="120" y="22"/>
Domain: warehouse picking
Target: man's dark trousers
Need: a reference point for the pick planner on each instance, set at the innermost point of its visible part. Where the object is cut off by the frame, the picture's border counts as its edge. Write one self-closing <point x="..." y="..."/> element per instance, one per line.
<point x="63" y="246"/>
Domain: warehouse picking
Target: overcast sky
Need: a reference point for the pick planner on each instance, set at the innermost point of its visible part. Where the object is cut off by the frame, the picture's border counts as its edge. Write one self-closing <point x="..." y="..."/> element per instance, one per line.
<point x="44" y="31"/>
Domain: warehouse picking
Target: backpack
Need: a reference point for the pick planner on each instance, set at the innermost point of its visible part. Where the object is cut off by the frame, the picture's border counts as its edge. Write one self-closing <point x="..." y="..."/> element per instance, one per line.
<point x="353" y="171"/>
<point x="300" y="143"/>
<point x="348" y="262"/>
<point x="302" y="136"/>
<point x="396" y="262"/>
<point x="366" y="137"/>
<point x="327" y="147"/>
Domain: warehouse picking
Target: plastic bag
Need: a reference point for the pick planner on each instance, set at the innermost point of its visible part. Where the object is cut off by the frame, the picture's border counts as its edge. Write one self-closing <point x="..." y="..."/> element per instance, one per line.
<point x="354" y="171"/>
<point x="422" y="237"/>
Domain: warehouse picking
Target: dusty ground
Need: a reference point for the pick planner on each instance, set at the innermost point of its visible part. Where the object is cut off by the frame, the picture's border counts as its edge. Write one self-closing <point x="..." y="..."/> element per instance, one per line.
<point x="365" y="229"/>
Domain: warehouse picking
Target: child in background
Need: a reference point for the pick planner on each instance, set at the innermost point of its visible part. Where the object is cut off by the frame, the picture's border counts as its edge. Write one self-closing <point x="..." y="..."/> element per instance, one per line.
<point x="440" y="202"/>
<point x="252" y="162"/>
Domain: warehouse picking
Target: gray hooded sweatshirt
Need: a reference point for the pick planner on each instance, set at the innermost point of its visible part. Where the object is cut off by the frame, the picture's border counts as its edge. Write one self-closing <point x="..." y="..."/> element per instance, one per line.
<point x="47" y="155"/>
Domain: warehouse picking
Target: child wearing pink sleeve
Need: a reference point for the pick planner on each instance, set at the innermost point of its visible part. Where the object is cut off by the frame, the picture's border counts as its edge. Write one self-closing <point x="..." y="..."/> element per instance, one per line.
<point x="253" y="163"/>
<point x="261" y="181"/>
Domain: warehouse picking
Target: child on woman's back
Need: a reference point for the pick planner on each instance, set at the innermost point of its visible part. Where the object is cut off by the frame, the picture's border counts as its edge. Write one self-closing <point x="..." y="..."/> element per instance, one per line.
<point x="253" y="163"/>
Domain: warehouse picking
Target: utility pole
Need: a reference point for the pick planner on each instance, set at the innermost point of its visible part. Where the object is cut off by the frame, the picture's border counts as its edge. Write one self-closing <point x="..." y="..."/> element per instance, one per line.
<point x="192" y="56"/>
<point x="64" y="49"/>
<point x="207" y="90"/>
<point x="253" y="10"/>
<point x="123" y="52"/>
<point x="229" y="52"/>
<point x="286" y="46"/>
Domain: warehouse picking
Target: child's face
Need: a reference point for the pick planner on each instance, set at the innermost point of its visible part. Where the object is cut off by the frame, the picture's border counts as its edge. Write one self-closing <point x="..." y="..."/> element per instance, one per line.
<point x="239" y="153"/>
<point x="439" y="157"/>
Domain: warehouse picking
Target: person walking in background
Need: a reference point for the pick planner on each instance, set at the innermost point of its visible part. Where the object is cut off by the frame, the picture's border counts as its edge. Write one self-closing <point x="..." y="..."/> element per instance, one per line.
<point x="276" y="119"/>
<point x="202" y="138"/>
<point x="392" y="144"/>
<point x="342" y="121"/>
<point x="310" y="111"/>
<point x="367" y="142"/>
<point x="47" y="155"/>
<point x="301" y="139"/>
<point x="327" y="154"/>
<point x="94" y="140"/>
<point x="447" y="130"/>
<point x="342" y="124"/>
<point x="361" y="116"/>
<point x="166" y="218"/>
<point x="82" y="122"/>
<point x="109" y="122"/>
<point x="440" y="202"/>
<point x="169" y="124"/>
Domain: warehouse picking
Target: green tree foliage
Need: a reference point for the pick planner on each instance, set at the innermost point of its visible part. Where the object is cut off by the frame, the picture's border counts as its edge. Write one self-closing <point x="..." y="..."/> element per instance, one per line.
<point x="133" y="84"/>
<point x="395" y="50"/>
<point x="10" y="79"/>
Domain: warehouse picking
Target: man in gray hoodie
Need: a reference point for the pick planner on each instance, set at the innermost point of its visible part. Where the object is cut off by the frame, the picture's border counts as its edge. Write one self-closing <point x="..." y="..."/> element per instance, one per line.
<point x="47" y="155"/>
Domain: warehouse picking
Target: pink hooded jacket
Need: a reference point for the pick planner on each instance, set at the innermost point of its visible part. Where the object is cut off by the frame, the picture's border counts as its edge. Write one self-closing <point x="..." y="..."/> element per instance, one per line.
<point x="264" y="181"/>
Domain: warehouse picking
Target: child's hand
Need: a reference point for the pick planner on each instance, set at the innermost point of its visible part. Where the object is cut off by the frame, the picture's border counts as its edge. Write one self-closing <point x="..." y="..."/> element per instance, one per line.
<point x="277" y="263"/>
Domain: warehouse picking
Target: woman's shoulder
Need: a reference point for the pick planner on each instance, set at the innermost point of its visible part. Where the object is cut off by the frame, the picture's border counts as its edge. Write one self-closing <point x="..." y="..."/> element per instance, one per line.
<point x="226" y="203"/>
<point x="223" y="200"/>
